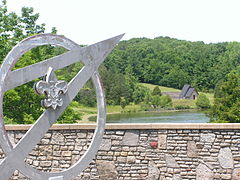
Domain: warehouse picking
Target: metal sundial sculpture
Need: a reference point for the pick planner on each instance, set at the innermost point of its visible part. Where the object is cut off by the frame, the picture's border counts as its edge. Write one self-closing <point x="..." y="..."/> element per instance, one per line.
<point x="58" y="95"/>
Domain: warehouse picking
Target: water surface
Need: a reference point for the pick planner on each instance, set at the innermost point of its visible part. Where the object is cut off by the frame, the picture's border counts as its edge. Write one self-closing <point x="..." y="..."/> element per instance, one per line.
<point x="159" y="117"/>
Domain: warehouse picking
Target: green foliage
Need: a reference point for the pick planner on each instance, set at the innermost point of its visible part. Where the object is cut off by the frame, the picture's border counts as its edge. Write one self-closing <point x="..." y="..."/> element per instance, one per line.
<point x="14" y="28"/>
<point x="20" y="102"/>
<point x="119" y="85"/>
<point x="175" y="77"/>
<point x="156" y="91"/>
<point x="173" y="63"/>
<point x="227" y="102"/>
<point x="156" y="101"/>
<point x="220" y="121"/>
<point x="178" y="107"/>
<point x="21" y="105"/>
<point x="87" y="95"/>
<point x="148" y="99"/>
<point x="139" y="93"/>
<point x="202" y="101"/>
<point x="28" y="119"/>
<point x="123" y="102"/>
<point x="69" y="116"/>
<point x="165" y="101"/>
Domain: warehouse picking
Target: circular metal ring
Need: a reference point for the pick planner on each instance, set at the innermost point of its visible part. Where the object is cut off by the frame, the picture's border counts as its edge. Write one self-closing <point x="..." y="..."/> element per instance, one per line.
<point x="9" y="62"/>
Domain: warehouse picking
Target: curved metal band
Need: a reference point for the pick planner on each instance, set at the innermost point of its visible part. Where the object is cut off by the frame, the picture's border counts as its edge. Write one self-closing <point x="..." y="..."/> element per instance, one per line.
<point x="7" y="147"/>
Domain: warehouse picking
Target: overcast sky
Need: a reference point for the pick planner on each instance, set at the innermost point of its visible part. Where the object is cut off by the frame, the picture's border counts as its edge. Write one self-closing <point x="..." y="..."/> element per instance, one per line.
<point x="90" y="21"/>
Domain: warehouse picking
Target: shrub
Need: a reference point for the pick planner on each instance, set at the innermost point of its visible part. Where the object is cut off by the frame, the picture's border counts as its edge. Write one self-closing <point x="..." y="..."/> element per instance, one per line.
<point x="165" y="101"/>
<point x="203" y="102"/>
<point x="156" y="101"/>
<point x="182" y="107"/>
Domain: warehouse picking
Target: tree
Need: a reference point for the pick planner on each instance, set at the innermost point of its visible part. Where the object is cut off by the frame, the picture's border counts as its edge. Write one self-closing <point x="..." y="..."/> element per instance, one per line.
<point x="14" y="28"/>
<point x="175" y="77"/>
<point x="148" y="99"/>
<point x="21" y="105"/>
<point x="123" y="102"/>
<point x="156" y="91"/>
<point x="203" y="102"/>
<point x="155" y="101"/>
<point x="226" y="105"/>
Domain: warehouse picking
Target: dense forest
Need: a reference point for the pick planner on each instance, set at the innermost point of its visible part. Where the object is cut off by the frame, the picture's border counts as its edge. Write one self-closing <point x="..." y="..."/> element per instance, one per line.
<point x="161" y="61"/>
<point x="171" y="62"/>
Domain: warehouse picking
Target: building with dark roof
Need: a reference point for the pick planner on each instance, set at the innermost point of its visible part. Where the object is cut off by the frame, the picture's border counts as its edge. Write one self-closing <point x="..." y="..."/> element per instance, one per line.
<point x="188" y="92"/>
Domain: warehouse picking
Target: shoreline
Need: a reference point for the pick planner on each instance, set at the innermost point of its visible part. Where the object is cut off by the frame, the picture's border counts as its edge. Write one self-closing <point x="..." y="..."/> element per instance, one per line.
<point x="85" y="118"/>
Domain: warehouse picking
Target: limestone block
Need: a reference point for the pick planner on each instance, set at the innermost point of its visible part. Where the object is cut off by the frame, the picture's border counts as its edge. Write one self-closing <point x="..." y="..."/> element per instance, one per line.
<point x="153" y="171"/>
<point x="162" y="141"/>
<point x="45" y="163"/>
<point x="225" y="158"/>
<point x="177" y="177"/>
<point x="82" y="135"/>
<point x="192" y="149"/>
<point x="203" y="172"/>
<point x="105" y="145"/>
<point x="58" y="138"/>
<point x="170" y="161"/>
<point x="66" y="153"/>
<point x="210" y="137"/>
<point x="121" y="159"/>
<point x="236" y="174"/>
<point x="226" y="176"/>
<point x="11" y="138"/>
<point x="131" y="159"/>
<point x="106" y="170"/>
<point x="162" y="177"/>
<point x="130" y="138"/>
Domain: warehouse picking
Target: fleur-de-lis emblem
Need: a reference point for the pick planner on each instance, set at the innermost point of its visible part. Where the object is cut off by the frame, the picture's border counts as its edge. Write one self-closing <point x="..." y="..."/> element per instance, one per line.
<point x="52" y="89"/>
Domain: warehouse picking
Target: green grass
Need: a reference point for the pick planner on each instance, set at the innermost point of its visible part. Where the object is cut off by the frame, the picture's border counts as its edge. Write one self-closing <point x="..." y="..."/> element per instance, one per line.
<point x="186" y="102"/>
<point x="86" y="110"/>
<point x="128" y="108"/>
<point x="111" y="109"/>
<point x="162" y="88"/>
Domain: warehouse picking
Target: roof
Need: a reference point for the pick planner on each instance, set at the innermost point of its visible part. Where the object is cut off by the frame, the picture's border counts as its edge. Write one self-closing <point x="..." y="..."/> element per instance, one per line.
<point x="184" y="90"/>
<point x="189" y="92"/>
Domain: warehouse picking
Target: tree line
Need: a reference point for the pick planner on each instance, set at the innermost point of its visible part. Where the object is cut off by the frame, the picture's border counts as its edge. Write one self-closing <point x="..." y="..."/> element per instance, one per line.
<point x="171" y="62"/>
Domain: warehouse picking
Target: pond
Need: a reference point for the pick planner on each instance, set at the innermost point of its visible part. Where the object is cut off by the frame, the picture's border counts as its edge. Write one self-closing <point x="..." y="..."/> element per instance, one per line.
<point x="159" y="117"/>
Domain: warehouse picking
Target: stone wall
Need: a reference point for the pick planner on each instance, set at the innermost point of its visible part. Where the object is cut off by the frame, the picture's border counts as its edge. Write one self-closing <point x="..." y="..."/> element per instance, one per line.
<point x="141" y="152"/>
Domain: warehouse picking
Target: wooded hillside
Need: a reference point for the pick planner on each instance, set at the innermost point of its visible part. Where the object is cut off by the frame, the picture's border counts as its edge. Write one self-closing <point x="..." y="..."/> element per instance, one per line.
<point x="171" y="62"/>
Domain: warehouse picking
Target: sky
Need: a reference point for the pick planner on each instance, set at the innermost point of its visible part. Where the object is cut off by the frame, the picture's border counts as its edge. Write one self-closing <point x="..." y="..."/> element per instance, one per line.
<point x="90" y="21"/>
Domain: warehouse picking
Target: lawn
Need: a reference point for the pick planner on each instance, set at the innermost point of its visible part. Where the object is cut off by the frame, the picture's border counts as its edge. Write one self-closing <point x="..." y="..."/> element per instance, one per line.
<point x="111" y="109"/>
<point x="162" y="88"/>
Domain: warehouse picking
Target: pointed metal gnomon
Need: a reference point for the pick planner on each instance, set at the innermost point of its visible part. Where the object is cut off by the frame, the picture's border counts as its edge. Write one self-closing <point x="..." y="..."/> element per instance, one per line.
<point x="92" y="56"/>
